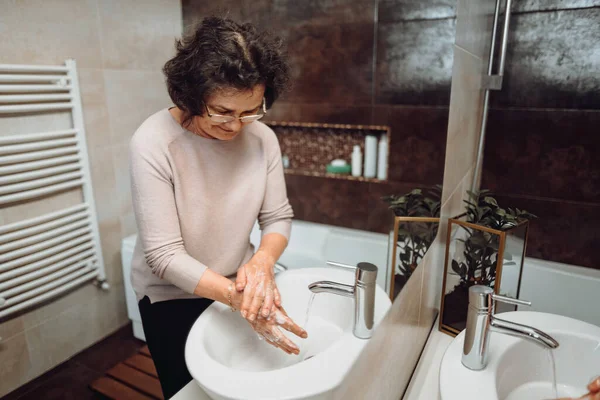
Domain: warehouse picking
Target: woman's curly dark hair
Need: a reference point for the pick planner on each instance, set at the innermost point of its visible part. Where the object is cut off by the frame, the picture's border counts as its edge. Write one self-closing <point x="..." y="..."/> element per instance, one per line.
<point x="221" y="53"/>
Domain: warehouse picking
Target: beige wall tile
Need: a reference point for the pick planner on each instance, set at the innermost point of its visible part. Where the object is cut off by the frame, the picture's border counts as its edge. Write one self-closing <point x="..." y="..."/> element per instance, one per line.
<point x="95" y="113"/>
<point x="11" y="328"/>
<point x="103" y="181"/>
<point x="15" y="364"/>
<point x="128" y="225"/>
<point x="433" y="266"/>
<point x="110" y="310"/>
<point x="139" y="35"/>
<point x="78" y="327"/>
<point x="72" y="323"/>
<point x="58" y="305"/>
<point x="132" y="96"/>
<point x="59" y="338"/>
<point x="49" y="32"/>
<point x="110" y="237"/>
<point x="454" y="203"/>
<point x="466" y="107"/>
<point x="474" y="22"/>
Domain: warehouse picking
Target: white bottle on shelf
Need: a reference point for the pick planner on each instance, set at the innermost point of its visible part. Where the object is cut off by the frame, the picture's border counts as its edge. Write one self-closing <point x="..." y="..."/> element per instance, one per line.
<point x="370" y="156"/>
<point x="356" y="161"/>
<point x="382" y="158"/>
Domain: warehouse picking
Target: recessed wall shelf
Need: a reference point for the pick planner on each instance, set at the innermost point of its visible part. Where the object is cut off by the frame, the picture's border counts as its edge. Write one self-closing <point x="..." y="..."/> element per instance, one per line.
<point x="291" y="171"/>
<point x="311" y="146"/>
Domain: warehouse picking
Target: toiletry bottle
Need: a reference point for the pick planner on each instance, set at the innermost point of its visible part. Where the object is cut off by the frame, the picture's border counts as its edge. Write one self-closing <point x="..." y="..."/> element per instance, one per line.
<point x="356" y="161"/>
<point x="382" y="158"/>
<point x="370" y="156"/>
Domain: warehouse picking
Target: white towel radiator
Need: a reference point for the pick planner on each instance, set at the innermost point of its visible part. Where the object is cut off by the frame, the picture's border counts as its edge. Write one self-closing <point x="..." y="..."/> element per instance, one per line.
<point x="45" y="256"/>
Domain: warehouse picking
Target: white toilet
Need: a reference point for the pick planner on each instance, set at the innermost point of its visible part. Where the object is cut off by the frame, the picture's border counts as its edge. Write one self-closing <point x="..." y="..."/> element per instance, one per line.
<point x="127" y="246"/>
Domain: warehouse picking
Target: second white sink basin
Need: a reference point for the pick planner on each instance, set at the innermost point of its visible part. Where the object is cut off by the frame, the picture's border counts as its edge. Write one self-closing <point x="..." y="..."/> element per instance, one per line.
<point x="518" y="369"/>
<point x="228" y="360"/>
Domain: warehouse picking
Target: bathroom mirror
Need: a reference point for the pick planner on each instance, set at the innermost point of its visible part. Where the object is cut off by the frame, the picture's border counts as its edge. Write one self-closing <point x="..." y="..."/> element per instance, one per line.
<point x="375" y="67"/>
<point x="541" y="153"/>
<point x="359" y="68"/>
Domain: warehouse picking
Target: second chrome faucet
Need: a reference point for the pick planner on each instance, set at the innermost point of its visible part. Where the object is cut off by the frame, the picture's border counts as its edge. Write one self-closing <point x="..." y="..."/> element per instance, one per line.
<point x="363" y="293"/>
<point x="481" y="321"/>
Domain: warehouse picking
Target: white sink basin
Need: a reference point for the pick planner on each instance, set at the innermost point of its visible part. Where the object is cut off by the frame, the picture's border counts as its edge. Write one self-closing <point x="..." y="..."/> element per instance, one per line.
<point x="227" y="359"/>
<point x="518" y="369"/>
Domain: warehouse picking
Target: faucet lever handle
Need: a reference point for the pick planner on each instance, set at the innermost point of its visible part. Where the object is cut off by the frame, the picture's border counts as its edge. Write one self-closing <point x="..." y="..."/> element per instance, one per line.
<point x="510" y="300"/>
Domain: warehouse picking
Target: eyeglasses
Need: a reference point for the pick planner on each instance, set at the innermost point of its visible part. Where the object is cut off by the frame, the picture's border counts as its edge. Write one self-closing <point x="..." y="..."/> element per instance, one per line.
<point x="223" y="119"/>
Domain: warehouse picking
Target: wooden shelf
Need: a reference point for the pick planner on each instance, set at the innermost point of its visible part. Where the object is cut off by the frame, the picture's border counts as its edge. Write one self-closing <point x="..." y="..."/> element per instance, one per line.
<point x="291" y="171"/>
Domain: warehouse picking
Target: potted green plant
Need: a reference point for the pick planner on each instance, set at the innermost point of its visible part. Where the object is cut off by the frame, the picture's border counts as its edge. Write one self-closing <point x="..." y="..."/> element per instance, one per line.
<point x="415" y="227"/>
<point x="481" y="236"/>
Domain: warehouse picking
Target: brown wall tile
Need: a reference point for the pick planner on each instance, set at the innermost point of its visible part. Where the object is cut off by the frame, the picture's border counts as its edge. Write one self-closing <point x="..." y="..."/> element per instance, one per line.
<point x="543" y="153"/>
<point x="406" y="10"/>
<point x="414" y="62"/>
<point x="549" y="62"/>
<point x="548" y="5"/>
<point x="320" y="113"/>
<point x="329" y="201"/>
<point x="331" y="63"/>
<point x="564" y="231"/>
<point x="417" y="143"/>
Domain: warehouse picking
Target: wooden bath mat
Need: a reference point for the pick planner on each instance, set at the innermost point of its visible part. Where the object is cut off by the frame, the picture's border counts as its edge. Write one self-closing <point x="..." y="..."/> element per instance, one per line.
<point x="132" y="379"/>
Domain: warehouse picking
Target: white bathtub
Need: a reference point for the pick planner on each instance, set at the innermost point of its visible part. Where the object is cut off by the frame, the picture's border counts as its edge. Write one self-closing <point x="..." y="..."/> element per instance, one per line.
<point x="312" y="245"/>
<point x="562" y="289"/>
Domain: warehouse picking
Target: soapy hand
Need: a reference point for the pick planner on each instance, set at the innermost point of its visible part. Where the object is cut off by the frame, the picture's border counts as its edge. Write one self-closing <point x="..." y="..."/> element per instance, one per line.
<point x="594" y="391"/>
<point x="256" y="279"/>
<point x="269" y="329"/>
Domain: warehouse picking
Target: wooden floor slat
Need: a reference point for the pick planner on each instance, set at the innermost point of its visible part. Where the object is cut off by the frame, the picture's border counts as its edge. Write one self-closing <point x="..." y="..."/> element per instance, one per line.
<point x="145" y="351"/>
<point x="137" y="379"/>
<point x="144" y="364"/>
<point x="116" y="390"/>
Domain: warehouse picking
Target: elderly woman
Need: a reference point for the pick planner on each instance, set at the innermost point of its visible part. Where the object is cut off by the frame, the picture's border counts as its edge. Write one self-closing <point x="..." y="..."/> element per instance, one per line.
<point x="202" y="173"/>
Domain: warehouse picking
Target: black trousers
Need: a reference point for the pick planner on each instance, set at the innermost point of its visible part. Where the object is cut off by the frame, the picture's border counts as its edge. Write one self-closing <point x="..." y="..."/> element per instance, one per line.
<point x="166" y="326"/>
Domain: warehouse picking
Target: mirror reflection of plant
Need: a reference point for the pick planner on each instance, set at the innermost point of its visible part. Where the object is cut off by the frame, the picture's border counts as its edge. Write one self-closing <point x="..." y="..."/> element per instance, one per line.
<point x="480" y="247"/>
<point x="414" y="238"/>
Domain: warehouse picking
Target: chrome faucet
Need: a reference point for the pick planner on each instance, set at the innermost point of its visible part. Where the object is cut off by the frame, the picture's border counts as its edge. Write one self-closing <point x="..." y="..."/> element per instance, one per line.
<point x="481" y="321"/>
<point x="363" y="292"/>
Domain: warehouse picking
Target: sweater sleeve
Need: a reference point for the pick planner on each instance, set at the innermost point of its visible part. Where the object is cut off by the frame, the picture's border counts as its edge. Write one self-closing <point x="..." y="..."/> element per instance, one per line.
<point x="276" y="212"/>
<point x="156" y="216"/>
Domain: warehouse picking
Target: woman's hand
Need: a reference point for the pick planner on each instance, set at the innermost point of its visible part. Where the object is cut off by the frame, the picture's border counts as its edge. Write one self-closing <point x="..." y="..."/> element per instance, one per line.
<point x="256" y="279"/>
<point x="269" y="329"/>
<point x="594" y="391"/>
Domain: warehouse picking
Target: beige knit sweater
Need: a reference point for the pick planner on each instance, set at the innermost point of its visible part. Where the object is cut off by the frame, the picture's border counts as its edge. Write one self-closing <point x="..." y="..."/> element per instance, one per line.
<point x="196" y="201"/>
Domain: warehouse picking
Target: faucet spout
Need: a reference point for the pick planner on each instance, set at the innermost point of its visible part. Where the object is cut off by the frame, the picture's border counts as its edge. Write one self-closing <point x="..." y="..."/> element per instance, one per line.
<point x="363" y="293"/>
<point x="523" y="331"/>
<point x="332" y="287"/>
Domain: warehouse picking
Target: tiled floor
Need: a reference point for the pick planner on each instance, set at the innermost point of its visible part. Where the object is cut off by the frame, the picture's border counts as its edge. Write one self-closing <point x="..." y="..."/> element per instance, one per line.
<point x="71" y="380"/>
